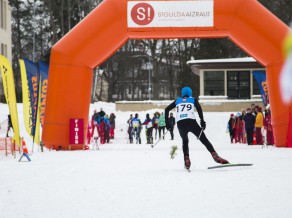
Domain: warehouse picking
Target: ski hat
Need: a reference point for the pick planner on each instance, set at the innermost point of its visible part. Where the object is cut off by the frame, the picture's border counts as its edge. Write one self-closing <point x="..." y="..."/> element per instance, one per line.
<point x="238" y="114"/>
<point x="186" y="91"/>
<point x="231" y="115"/>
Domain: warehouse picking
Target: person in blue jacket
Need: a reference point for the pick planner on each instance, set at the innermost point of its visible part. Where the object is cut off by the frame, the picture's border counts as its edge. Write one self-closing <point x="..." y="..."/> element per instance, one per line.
<point x="186" y="122"/>
<point x="136" y="128"/>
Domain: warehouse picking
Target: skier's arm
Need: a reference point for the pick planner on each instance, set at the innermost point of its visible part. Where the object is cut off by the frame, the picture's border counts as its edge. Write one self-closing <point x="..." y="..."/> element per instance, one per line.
<point x="167" y="109"/>
<point x="200" y="112"/>
<point x="199" y="109"/>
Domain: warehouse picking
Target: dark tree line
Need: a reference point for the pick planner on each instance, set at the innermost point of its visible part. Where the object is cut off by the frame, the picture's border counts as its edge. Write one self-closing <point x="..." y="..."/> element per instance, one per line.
<point x="38" y="24"/>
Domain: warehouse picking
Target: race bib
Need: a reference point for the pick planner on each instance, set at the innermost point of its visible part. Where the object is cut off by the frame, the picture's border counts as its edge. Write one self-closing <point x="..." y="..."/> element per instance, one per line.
<point x="149" y="125"/>
<point x="185" y="111"/>
<point x="135" y="123"/>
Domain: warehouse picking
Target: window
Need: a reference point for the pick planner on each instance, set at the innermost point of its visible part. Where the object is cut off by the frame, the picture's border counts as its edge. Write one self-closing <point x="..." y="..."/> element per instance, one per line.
<point x="238" y="84"/>
<point x="3" y="49"/>
<point x="213" y="82"/>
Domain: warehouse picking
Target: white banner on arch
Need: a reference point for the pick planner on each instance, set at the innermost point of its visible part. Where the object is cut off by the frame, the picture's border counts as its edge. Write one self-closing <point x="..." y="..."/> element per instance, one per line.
<point x="196" y="13"/>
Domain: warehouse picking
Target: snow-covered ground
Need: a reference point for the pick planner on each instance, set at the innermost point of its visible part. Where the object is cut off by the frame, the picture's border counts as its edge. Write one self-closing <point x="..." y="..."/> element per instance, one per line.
<point x="132" y="180"/>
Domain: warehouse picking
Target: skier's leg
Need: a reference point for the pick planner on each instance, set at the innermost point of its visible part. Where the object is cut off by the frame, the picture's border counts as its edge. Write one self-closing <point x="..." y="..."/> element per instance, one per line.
<point x="183" y="131"/>
<point x="196" y="129"/>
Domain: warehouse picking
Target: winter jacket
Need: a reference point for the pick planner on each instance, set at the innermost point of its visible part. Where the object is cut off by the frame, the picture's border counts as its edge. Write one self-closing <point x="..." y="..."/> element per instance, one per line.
<point x="231" y="124"/>
<point x="112" y="121"/>
<point x="148" y="123"/>
<point x="249" y="120"/>
<point x="259" y="120"/>
<point x="161" y="121"/>
<point x="171" y="121"/>
<point x="155" y="121"/>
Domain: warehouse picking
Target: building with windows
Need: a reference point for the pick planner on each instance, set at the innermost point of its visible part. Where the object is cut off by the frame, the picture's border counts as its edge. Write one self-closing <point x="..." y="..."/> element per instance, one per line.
<point x="5" y="35"/>
<point x="227" y="84"/>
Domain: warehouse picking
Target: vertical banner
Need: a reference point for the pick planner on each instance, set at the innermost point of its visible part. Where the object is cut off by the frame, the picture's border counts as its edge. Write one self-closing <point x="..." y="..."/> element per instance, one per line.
<point x="260" y="77"/>
<point x="76" y="132"/>
<point x="30" y="88"/>
<point x="9" y="91"/>
<point x="44" y="69"/>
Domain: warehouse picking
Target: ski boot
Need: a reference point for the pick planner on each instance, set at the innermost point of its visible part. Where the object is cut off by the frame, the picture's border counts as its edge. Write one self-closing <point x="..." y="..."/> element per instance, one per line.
<point x="187" y="162"/>
<point x="219" y="159"/>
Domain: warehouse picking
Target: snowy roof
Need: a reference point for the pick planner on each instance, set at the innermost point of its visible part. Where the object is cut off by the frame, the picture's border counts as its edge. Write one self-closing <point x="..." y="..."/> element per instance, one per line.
<point x="225" y="63"/>
<point x="223" y="60"/>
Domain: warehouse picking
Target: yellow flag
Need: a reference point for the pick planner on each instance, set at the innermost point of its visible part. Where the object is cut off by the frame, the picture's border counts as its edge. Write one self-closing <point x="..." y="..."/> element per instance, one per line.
<point x="27" y="110"/>
<point x="9" y="91"/>
<point x="38" y="120"/>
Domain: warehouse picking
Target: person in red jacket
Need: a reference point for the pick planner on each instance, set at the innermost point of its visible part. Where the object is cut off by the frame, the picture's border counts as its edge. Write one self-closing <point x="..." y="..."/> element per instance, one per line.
<point x="268" y="126"/>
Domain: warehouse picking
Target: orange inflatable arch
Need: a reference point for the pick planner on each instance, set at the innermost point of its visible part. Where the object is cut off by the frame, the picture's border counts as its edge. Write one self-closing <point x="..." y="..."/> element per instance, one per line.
<point x="247" y="23"/>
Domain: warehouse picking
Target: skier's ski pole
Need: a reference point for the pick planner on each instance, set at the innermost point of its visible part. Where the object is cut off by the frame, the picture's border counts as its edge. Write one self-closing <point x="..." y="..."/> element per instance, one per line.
<point x="200" y="134"/>
<point x="159" y="139"/>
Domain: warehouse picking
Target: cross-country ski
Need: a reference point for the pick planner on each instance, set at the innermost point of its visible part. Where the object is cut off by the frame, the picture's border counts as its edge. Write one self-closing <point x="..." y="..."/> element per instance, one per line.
<point x="230" y="165"/>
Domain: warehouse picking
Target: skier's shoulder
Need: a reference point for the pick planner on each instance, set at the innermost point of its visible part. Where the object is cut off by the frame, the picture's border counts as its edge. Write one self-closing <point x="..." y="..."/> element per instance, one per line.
<point x="181" y="100"/>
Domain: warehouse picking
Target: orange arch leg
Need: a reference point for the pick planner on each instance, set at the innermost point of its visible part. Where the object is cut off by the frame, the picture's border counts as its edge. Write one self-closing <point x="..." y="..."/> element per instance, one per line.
<point x="69" y="97"/>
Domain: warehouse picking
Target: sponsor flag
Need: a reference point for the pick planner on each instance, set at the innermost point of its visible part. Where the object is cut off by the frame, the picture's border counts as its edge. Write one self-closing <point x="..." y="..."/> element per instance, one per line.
<point x="30" y="89"/>
<point x="9" y="91"/>
<point x="260" y="77"/>
<point x="44" y="69"/>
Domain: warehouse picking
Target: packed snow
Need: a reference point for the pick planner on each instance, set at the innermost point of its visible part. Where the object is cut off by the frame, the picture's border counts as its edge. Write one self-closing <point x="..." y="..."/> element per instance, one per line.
<point x="134" y="180"/>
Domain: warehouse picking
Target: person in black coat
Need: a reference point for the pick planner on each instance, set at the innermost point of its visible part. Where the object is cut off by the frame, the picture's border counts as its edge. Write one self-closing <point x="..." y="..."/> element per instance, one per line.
<point x="231" y="127"/>
<point x="249" y="120"/>
<point x="171" y="121"/>
<point x="9" y="125"/>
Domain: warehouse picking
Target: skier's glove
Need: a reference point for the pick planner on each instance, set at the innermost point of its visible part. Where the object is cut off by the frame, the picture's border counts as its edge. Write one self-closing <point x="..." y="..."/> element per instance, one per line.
<point x="203" y="124"/>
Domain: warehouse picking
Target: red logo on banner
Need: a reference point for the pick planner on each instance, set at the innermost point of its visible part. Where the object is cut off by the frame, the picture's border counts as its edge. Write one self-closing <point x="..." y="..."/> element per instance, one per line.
<point x="142" y="14"/>
<point x="76" y="132"/>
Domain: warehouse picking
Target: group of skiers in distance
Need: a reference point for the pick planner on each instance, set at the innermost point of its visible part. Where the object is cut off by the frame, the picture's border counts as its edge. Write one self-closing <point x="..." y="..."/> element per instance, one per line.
<point x="104" y="125"/>
<point x="251" y="126"/>
<point x="156" y="123"/>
